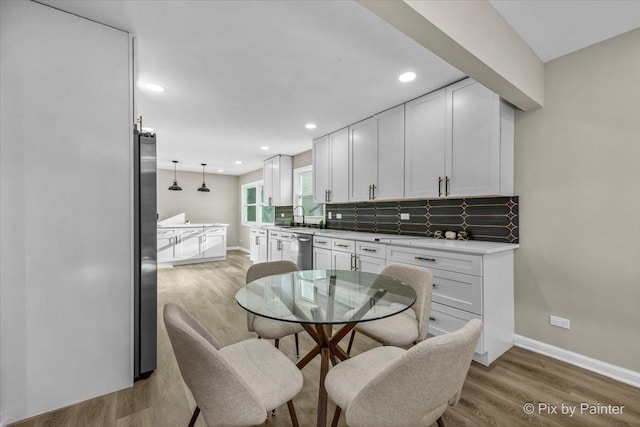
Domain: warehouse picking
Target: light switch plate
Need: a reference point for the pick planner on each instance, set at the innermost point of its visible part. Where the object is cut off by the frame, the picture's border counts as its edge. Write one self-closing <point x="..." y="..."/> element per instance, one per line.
<point x="404" y="216"/>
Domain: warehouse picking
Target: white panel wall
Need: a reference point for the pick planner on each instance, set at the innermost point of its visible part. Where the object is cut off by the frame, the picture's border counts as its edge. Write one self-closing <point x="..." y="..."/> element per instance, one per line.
<point x="65" y="210"/>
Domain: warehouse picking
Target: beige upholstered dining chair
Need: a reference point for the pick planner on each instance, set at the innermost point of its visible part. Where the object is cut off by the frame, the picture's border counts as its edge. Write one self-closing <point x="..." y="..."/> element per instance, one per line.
<point x="268" y="328"/>
<point x="410" y="326"/>
<point x="390" y="386"/>
<point x="234" y="385"/>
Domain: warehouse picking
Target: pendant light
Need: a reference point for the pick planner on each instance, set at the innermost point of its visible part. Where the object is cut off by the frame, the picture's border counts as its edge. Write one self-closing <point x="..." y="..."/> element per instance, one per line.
<point x="204" y="186"/>
<point x="175" y="186"/>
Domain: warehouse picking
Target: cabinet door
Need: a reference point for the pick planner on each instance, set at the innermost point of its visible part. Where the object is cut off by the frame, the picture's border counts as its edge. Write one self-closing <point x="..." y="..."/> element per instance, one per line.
<point x="321" y="168"/>
<point x="275" y="195"/>
<point x="473" y="140"/>
<point x="363" y="164"/>
<point x="268" y="182"/>
<point x="254" y="247"/>
<point x="285" y="250"/>
<point x="166" y="245"/>
<point x="188" y="244"/>
<point x="390" y="158"/>
<point x="214" y="242"/>
<point x="274" y="250"/>
<point x="369" y="264"/>
<point x="425" y="145"/>
<point x="339" y="153"/>
<point x="341" y="260"/>
<point x="263" y="249"/>
<point x="322" y="259"/>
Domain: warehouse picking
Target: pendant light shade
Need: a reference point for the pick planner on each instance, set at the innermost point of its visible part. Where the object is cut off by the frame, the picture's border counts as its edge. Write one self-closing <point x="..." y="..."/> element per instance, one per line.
<point x="203" y="187"/>
<point x="175" y="186"/>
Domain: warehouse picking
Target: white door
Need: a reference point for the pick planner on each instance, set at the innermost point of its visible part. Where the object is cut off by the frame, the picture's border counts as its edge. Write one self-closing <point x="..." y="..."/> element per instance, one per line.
<point x="341" y="260"/>
<point x="275" y="197"/>
<point x="254" y="247"/>
<point x="425" y="146"/>
<point x="363" y="163"/>
<point x="268" y="182"/>
<point x="321" y="168"/>
<point x="473" y="140"/>
<point x="263" y="249"/>
<point x="188" y="245"/>
<point x="166" y="245"/>
<point x="274" y="250"/>
<point x="285" y="250"/>
<point x="214" y="242"/>
<point x="339" y="153"/>
<point x="390" y="158"/>
<point x="369" y="264"/>
<point x="321" y="259"/>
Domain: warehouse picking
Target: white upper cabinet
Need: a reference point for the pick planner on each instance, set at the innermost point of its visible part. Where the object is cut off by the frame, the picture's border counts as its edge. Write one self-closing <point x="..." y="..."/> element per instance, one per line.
<point x="331" y="167"/>
<point x="376" y="149"/>
<point x="278" y="181"/>
<point x="390" y="159"/>
<point x="424" y="154"/>
<point x="363" y="150"/>
<point x="473" y="140"/>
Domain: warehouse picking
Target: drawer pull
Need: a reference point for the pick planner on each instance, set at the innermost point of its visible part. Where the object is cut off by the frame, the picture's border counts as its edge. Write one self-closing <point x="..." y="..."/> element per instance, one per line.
<point x="342" y="246"/>
<point x="425" y="259"/>
<point x="322" y="242"/>
<point x="369" y="250"/>
<point x="433" y="319"/>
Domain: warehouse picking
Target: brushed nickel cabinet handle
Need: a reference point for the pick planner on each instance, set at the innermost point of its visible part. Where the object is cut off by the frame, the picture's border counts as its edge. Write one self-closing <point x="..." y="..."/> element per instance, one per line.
<point x="341" y="245"/>
<point x="446" y="186"/>
<point x="425" y="259"/>
<point x="373" y="191"/>
<point x="369" y="250"/>
<point x="439" y="186"/>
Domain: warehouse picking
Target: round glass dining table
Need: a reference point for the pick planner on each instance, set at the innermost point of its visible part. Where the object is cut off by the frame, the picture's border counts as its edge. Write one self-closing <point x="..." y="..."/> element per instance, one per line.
<point x="319" y="299"/>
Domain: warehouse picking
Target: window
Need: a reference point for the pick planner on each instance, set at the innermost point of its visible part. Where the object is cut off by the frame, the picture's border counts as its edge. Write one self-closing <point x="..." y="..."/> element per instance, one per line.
<point x="303" y="195"/>
<point x="253" y="210"/>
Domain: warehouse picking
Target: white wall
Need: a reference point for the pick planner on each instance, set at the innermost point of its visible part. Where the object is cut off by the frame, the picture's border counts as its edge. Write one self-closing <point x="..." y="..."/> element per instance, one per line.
<point x="65" y="210"/>
<point x="221" y="204"/>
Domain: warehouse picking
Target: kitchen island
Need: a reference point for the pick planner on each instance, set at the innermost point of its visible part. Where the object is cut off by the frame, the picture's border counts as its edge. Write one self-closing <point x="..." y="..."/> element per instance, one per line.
<point x="191" y="243"/>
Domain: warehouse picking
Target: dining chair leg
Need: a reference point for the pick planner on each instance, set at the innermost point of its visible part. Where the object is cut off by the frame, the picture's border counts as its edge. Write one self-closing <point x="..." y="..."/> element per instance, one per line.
<point x="297" y="346"/>
<point x="292" y="413"/>
<point x="336" y="417"/>
<point x="277" y="342"/>
<point x="353" y="334"/>
<point x="194" y="417"/>
<point x="440" y="422"/>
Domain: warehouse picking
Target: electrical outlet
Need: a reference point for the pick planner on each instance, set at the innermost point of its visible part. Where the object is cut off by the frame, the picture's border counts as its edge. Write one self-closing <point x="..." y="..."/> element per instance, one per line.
<point x="330" y="216"/>
<point x="339" y="216"/>
<point x="559" y="322"/>
<point x="404" y="216"/>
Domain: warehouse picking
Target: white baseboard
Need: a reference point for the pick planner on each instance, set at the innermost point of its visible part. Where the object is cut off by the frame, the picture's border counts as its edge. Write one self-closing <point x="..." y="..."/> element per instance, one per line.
<point x="617" y="373"/>
<point x="237" y="248"/>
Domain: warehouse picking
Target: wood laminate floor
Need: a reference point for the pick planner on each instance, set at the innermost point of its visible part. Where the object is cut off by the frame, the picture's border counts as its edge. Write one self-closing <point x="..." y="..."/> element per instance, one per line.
<point x="492" y="396"/>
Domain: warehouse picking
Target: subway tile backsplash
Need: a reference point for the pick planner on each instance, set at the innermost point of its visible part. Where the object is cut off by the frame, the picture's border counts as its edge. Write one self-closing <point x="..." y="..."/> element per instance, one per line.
<point x="493" y="219"/>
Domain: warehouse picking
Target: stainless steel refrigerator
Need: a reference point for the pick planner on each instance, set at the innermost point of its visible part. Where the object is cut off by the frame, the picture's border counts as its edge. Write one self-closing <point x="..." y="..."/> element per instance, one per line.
<point x="145" y="265"/>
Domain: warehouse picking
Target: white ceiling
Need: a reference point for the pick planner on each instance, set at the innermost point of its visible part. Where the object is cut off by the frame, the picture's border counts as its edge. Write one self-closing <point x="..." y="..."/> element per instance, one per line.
<point x="553" y="28"/>
<point x="244" y="74"/>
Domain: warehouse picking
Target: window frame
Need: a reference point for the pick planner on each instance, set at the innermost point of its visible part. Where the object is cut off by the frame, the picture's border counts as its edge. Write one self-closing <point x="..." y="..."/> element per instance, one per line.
<point x="315" y="219"/>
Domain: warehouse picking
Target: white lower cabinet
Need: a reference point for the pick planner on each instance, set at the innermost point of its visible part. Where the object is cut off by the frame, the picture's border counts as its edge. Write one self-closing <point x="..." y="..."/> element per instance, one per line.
<point x="369" y="264"/>
<point x="279" y="246"/>
<point x="258" y="248"/>
<point x="468" y="287"/>
<point x="341" y="260"/>
<point x="214" y="243"/>
<point x="166" y="245"/>
<point x="191" y="244"/>
<point x="322" y="259"/>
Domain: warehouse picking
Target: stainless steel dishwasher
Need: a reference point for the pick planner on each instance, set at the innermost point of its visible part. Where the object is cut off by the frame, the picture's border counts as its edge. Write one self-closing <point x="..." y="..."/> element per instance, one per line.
<point x="302" y="250"/>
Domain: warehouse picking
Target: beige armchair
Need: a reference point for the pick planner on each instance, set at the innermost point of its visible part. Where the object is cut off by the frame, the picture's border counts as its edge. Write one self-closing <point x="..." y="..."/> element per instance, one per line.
<point x="390" y="386"/>
<point x="269" y="328"/>
<point x="410" y="326"/>
<point x="234" y="385"/>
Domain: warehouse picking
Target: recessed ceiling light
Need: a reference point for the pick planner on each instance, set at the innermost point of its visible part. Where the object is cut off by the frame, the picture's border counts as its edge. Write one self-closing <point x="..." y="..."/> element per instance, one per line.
<point x="265" y="148"/>
<point x="310" y="125"/>
<point x="153" y="87"/>
<point x="220" y="170"/>
<point x="407" y="77"/>
<point x="238" y="162"/>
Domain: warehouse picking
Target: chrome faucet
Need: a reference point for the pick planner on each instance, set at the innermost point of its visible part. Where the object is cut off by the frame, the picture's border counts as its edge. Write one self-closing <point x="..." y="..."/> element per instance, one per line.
<point x="294" y="213"/>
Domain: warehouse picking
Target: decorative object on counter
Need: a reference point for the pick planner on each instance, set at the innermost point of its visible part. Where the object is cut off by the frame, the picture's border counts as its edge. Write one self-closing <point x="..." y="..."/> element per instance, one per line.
<point x="438" y="234"/>
<point x="486" y="218"/>
<point x="450" y="235"/>
<point x="203" y="187"/>
<point x="186" y="221"/>
<point x="463" y="235"/>
<point x="175" y="186"/>
<point x="321" y="224"/>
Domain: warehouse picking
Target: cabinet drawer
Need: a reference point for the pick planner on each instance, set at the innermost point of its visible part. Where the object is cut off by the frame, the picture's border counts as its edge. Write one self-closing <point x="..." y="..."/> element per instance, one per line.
<point x="322" y="242"/>
<point x="375" y="250"/>
<point x="343" y="245"/>
<point x="458" y="263"/>
<point x="443" y="319"/>
<point x="257" y="232"/>
<point x="274" y="233"/>
<point x="457" y="290"/>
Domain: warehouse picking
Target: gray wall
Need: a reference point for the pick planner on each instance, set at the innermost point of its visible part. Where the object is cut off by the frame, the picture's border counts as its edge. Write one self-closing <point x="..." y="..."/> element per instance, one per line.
<point x="299" y="160"/>
<point x="66" y="264"/>
<point x="221" y="204"/>
<point x="577" y="172"/>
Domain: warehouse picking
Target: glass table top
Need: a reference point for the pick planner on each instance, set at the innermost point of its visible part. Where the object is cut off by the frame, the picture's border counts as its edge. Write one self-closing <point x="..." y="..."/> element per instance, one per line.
<point x="326" y="296"/>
